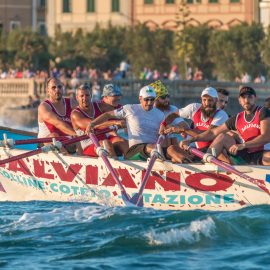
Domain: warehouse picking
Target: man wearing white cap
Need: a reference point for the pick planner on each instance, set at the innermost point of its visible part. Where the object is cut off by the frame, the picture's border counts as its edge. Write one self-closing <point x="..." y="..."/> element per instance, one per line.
<point x="204" y="116"/>
<point x="143" y="121"/>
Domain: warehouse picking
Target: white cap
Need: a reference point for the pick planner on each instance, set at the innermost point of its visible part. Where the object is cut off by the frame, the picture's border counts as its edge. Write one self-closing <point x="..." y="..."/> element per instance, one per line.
<point x="210" y="91"/>
<point x="147" y="91"/>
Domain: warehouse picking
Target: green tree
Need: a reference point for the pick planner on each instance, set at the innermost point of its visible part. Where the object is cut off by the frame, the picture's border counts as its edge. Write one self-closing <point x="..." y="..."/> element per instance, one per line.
<point x="191" y="45"/>
<point x="237" y="51"/>
<point x="27" y="49"/>
<point x="146" y="48"/>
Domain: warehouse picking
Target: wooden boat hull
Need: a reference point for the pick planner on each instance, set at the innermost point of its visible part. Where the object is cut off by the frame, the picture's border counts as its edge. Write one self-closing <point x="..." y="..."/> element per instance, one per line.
<point x="55" y="177"/>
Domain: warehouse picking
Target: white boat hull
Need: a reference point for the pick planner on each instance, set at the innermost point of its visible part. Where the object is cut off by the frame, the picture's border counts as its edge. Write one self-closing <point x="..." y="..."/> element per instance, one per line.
<point x="54" y="177"/>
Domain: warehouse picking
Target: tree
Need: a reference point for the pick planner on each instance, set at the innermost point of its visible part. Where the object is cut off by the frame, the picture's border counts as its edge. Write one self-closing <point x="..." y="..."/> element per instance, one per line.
<point x="28" y="49"/>
<point x="237" y="51"/>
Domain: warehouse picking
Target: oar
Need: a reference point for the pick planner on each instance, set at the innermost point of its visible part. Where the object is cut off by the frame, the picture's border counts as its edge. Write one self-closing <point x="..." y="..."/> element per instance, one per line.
<point x="210" y="158"/>
<point x="12" y="142"/>
<point x="43" y="149"/>
<point x="137" y="198"/>
<point x="47" y="148"/>
<point x="103" y="154"/>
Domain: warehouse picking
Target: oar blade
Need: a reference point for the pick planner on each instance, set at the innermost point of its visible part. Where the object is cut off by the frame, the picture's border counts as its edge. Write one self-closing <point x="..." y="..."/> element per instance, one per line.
<point x="137" y="200"/>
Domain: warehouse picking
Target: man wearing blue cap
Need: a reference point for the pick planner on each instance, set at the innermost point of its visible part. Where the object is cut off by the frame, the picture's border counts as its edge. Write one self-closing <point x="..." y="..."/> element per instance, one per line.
<point x="111" y="97"/>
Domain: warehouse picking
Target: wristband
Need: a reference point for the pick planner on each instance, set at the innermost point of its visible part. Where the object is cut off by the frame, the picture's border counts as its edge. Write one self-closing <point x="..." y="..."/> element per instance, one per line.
<point x="163" y="123"/>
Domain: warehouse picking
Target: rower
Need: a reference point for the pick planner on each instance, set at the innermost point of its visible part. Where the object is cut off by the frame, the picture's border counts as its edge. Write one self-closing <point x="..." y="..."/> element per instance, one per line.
<point x="143" y="121"/>
<point x="111" y="97"/>
<point x="223" y="98"/>
<point x="162" y="102"/>
<point x="54" y="113"/>
<point x="252" y="124"/>
<point x="82" y="115"/>
<point x="205" y="116"/>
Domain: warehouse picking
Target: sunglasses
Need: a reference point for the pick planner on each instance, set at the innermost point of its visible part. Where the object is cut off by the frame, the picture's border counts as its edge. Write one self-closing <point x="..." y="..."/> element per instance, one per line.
<point x="164" y="96"/>
<point x="58" y="86"/>
<point x="149" y="99"/>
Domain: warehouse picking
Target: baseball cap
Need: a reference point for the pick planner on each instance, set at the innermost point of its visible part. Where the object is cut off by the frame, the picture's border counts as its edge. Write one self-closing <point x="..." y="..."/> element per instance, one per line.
<point x="110" y="90"/>
<point x="147" y="91"/>
<point x="84" y="86"/>
<point x="210" y="91"/>
<point x="159" y="88"/>
<point x="247" y="90"/>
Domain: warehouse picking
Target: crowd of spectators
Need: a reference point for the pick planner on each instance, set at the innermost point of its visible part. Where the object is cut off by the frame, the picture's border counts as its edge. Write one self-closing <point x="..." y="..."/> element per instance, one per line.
<point x="124" y="71"/>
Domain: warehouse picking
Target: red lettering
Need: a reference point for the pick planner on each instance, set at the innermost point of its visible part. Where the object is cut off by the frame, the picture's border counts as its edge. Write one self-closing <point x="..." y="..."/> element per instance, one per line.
<point x="91" y="175"/>
<point x="19" y="165"/>
<point x="171" y="183"/>
<point x="69" y="175"/>
<point x="222" y="182"/>
<point x="39" y="170"/>
<point x="126" y="178"/>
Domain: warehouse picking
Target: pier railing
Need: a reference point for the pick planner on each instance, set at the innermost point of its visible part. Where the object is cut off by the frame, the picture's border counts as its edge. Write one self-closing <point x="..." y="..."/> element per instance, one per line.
<point x="182" y="92"/>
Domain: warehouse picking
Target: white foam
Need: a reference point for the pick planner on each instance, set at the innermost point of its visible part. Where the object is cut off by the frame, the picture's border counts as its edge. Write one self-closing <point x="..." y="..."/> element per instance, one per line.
<point x="66" y="214"/>
<point x="190" y="234"/>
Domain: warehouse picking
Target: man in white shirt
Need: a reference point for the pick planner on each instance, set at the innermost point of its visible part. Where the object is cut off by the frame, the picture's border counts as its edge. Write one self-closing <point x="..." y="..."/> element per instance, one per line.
<point x="143" y="121"/>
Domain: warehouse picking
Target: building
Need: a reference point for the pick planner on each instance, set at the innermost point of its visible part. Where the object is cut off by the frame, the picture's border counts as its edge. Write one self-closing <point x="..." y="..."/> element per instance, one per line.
<point x="22" y="14"/>
<point x="70" y="15"/>
<point x="217" y="13"/>
<point x="265" y="12"/>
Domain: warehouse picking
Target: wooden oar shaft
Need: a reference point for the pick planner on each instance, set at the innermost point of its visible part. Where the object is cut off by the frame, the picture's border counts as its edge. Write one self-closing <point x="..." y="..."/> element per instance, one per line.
<point x="58" y="138"/>
<point x="42" y="149"/>
<point x="40" y="140"/>
<point x="24" y="155"/>
<point x="137" y="197"/>
<point x="109" y="166"/>
<point x="227" y="167"/>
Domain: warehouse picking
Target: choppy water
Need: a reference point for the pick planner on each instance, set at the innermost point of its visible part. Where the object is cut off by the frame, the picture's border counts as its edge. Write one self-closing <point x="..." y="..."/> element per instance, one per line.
<point x="48" y="235"/>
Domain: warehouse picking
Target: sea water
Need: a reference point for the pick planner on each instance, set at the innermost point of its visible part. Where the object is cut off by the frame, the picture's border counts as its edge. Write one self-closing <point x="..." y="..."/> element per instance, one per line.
<point x="53" y="235"/>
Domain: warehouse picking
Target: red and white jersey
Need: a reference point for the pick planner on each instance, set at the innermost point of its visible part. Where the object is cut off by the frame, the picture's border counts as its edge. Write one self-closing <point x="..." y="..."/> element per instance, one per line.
<point x="248" y="130"/>
<point x="193" y="111"/>
<point x="202" y="124"/>
<point x="96" y="112"/>
<point x="46" y="128"/>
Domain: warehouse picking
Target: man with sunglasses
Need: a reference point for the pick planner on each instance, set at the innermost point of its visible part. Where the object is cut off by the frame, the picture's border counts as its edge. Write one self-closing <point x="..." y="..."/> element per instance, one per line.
<point x="54" y="112"/>
<point x="143" y="121"/>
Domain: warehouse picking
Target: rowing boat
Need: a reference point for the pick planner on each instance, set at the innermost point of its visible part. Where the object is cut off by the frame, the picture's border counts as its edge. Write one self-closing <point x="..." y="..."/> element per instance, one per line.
<point x="56" y="177"/>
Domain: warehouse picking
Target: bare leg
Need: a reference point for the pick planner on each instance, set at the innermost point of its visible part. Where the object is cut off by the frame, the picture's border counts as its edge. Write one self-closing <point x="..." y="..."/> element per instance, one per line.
<point x="266" y="158"/>
<point x="177" y="155"/>
<point x="222" y="141"/>
<point x="120" y="145"/>
<point x="109" y="147"/>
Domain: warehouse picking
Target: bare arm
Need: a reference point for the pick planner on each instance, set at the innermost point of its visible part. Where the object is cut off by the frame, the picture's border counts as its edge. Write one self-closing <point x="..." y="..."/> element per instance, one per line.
<point x="80" y="121"/>
<point x="260" y="140"/>
<point x="45" y="114"/>
<point x="209" y="134"/>
<point x="100" y="120"/>
<point x="171" y="117"/>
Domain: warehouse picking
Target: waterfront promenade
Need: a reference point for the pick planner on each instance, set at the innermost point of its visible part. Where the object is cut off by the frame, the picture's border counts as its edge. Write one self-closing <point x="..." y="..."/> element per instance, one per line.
<point x="16" y="91"/>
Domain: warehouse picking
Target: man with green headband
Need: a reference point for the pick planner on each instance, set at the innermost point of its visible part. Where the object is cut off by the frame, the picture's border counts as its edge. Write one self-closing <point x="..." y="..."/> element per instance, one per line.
<point x="162" y="102"/>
